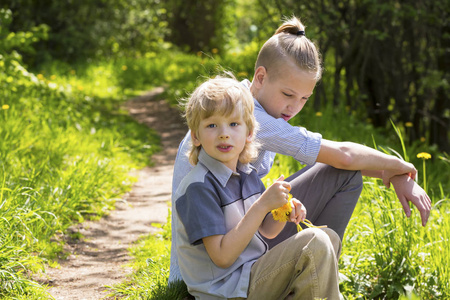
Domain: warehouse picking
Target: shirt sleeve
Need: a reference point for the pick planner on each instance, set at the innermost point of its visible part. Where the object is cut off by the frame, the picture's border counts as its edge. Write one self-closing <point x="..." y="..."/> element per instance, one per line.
<point x="200" y="212"/>
<point x="277" y="135"/>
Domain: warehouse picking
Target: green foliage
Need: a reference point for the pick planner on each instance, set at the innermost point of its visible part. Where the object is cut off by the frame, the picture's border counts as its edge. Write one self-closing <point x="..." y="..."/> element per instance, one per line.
<point x="64" y="156"/>
<point x="200" y="26"/>
<point x="86" y="29"/>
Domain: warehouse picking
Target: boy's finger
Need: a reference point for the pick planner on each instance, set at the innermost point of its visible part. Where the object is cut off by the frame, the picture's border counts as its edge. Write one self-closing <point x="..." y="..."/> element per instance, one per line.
<point x="281" y="178"/>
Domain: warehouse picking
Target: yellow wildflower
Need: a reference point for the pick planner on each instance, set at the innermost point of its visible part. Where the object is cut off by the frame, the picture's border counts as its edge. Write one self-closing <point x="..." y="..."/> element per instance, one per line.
<point x="40" y="76"/>
<point x="5" y="106"/>
<point x="242" y="74"/>
<point x="282" y="213"/>
<point x="424" y="155"/>
<point x="199" y="53"/>
<point x="215" y="50"/>
<point x="53" y="77"/>
<point x="318" y="114"/>
<point x="408" y="124"/>
<point x="124" y="68"/>
<point x="423" y="139"/>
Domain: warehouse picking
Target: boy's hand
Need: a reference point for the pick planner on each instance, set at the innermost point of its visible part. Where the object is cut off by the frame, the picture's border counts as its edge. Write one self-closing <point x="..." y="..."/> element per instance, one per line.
<point x="298" y="213"/>
<point x="276" y="195"/>
<point x="405" y="168"/>
<point x="408" y="190"/>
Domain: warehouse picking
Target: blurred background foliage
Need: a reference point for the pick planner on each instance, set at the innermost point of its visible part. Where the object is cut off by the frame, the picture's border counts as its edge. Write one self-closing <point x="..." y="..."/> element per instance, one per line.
<point x="383" y="60"/>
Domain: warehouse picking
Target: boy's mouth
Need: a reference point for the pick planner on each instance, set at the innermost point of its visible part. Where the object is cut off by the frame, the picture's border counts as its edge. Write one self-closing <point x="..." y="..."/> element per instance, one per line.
<point x="224" y="148"/>
<point x="285" y="117"/>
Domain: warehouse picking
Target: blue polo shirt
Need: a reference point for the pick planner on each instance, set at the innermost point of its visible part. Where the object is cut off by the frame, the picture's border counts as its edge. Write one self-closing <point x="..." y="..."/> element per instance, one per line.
<point x="211" y="200"/>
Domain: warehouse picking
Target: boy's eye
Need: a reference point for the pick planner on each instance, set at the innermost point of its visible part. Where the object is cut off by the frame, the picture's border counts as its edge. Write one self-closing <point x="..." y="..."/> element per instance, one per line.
<point x="211" y="125"/>
<point x="287" y="95"/>
<point x="234" y="124"/>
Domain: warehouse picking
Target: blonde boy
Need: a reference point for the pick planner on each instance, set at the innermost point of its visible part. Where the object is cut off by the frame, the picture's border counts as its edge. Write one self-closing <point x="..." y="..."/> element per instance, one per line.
<point x="222" y="212"/>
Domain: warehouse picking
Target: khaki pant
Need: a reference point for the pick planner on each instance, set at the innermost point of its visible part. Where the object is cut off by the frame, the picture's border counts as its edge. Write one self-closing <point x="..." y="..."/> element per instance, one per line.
<point x="305" y="266"/>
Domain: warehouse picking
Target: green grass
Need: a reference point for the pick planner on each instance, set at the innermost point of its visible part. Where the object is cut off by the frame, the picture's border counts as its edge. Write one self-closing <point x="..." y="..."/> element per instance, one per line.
<point x="65" y="155"/>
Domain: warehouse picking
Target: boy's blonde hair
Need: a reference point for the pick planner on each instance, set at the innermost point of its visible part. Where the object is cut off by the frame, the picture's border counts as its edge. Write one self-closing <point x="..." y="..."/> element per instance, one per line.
<point x="221" y="95"/>
<point x="290" y="42"/>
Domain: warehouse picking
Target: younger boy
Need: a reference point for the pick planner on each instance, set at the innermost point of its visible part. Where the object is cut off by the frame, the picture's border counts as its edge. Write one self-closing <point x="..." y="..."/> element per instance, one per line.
<point x="222" y="212"/>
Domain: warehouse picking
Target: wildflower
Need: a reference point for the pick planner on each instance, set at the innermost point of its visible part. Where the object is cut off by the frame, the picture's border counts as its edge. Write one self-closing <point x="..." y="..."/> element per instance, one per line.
<point x="199" y="53"/>
<point x="424" y="155"/>
<point x="5" y="106"/>
<point x="215" y="50"/>
<point x="242" y="74"/>
<point x="423" y="139"/>
<point x="124" y="68"/>
<point x="40" y="76"/>
<point x="282" y="213"/>
<point x="9" y="79"/>
<point x="318" y="114"/>
<point x="72" y="72"/>
<point x="53" y="77"/>
<point x="408" y="124"/>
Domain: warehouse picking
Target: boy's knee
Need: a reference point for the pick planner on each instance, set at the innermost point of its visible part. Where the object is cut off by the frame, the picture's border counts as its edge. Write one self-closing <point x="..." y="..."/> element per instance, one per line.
<point x="324" y="241"/>
<point x="335" y="241"/>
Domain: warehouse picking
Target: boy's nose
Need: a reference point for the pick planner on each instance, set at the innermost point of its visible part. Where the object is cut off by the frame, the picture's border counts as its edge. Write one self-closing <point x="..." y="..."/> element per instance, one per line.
<point x="224" y="136"/>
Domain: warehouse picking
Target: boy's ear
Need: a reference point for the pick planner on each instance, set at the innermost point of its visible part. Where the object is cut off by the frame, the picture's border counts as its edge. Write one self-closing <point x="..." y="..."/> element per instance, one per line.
<point x="260" y="76"/>
<point x="195" y="140"/>
<point x="249" y="136"/>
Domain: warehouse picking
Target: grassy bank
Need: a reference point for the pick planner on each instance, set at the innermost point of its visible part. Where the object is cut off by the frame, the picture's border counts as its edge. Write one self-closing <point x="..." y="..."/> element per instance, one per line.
<point x="66" y="152"/>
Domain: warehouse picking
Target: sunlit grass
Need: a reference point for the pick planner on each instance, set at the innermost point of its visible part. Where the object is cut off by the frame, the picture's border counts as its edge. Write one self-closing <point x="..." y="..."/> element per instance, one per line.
<point x="65" y="155"/>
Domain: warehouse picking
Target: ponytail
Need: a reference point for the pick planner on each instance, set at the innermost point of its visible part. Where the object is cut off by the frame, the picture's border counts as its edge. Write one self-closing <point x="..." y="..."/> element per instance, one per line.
<point x="290" y="42"/>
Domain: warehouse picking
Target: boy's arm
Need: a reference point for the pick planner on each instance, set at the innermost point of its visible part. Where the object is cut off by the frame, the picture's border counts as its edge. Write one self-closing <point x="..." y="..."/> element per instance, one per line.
<point x="373" y="163"/>
<point x="408" y="190"/>
<point x="352" y="156"/>
<point x="225" y="249"/>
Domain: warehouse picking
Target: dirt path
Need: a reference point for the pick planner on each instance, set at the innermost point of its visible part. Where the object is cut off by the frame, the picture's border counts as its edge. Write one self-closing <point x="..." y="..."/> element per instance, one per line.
<point x="97" y="260"/>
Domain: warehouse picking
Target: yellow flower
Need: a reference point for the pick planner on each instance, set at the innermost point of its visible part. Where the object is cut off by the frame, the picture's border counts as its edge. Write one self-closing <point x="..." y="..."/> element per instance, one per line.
<point x="40" y="76"/>
<point x="423" y="139"/>
<point x="318" y="114"/>
<point x="408" y="124"/>
<point x="124" y="68"/>
<point x="53" y="77"/>
<point x="199" y="53"/>
<point x="5" y="106"/>
<point x="424" y="155"/>
<point x="282" y="213"/>
<point x="215" y="50"/>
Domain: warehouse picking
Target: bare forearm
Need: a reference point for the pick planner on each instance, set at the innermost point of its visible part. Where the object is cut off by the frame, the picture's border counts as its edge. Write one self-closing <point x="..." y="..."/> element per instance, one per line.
<point x="271" y="228"/>
<point x="352" y="156"/>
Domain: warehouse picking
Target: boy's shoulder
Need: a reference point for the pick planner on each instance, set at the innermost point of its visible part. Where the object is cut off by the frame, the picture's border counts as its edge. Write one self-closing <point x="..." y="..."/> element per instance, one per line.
<point x="196" y="174"/>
